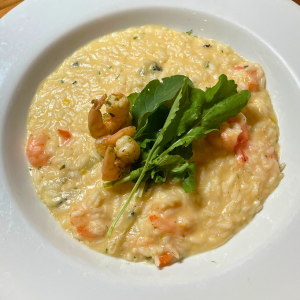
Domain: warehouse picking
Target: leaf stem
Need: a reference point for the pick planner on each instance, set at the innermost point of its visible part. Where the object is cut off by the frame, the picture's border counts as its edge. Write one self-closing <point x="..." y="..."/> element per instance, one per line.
<point x="114" y="223"/>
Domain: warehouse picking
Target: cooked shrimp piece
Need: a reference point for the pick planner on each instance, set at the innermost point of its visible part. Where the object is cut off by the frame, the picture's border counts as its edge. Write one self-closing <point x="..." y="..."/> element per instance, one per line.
<point x="129" y="131"/>
<point x="165" y="259"/>
<point x="101" y="144"/>
<point x="117" y="113"/>
<point x="253" y="76"/>
<point x="128" y="149"/>
<point x="165" y="225"/>
<point x="85" y="226"/>
<point x="233" y="137"/>
<point x="112" y="168"/>
<point x="36" y="149"/>
<point x="97" y="127"/>
<point x="64" y="135"/>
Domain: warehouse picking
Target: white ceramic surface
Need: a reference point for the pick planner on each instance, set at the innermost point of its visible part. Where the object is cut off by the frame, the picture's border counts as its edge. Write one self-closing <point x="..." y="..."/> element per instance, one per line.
<point x="38" y="260"/>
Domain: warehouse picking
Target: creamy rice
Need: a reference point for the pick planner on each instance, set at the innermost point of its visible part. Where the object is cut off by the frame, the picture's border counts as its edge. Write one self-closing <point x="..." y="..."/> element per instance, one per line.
<point x="228" y="195"/>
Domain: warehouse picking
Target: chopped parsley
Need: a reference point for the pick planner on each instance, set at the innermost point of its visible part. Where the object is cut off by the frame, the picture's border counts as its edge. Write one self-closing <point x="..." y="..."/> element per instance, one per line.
<point x="74" y="82"/>
<point x="62" y="81"/>
<point x="39" y="167"/>
<point x="206" y="65"/>
<point x="106" y="250"/>
<point x="189" y="32"/>
<point x="63" y="166"/>
<point x="110" y="67"/>
<point x="135" y="37"/>
<point x="99" y="73"/>
<point x="117" y="77"/>
<point x="238" y="176"/>
<point x="246" y="67"/>
<point x="75" y="188"/>
<point x="222" y="51"/>
<point x="206" y="46"/>
<point x="75" y="64"/>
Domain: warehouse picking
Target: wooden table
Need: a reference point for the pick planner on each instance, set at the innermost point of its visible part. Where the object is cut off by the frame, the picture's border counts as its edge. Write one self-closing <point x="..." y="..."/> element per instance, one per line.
<point x="7" y="5"/>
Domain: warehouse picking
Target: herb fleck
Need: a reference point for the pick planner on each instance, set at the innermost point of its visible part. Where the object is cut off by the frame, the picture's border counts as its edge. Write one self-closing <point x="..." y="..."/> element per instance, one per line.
<point x="39" y="167"/>
<point x="155" y="227"/>
<point x="156" y="67"/>
<point x="189" y="32"/>
<point x="74" y="82"/>
<point x="206" y="46"/>
<point x="148" y="257"/>
<point x="222" y="51"/>
<point x="132" y="213"/>
<point x="206" y="65"/>
<point x="62" y="81"/>
<point x="110" y="67"/>
<point x="99" y="73"/>
<point x="238" y="176"/>
<point x="246" y="67"/>
<point x="135" y="37"/>
<point x="63" y="166"/>
<point x="75" y="188"/>
<point x="134" y="257"/>
<point x="75" y="64"/>
<point x="117" y="77"/>
<point x="30" y="169"/>
<point x="106" y="250"/>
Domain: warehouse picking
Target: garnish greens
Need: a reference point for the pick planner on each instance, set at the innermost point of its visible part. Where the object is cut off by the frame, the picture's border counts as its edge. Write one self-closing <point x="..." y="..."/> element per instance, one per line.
<point x="169" y="116"/>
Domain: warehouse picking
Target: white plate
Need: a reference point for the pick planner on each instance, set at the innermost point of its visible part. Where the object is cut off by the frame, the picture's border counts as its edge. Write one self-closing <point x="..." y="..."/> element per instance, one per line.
<point x="38" y="260"/>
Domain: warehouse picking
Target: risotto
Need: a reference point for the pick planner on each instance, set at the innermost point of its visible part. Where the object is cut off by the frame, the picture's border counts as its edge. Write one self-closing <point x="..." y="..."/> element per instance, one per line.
<point x="166" y="224"/>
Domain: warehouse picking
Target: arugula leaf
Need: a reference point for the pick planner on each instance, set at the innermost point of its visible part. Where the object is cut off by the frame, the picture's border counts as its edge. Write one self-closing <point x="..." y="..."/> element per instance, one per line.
<point x="213" y="117"/>
<point x="132" y="97"/>
<point x="222" y="90"/>
<point x="144" y="104"/>
<point x="153" y="96"/>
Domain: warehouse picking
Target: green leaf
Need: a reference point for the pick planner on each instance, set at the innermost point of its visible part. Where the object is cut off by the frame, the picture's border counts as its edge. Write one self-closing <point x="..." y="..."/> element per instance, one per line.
<point x="189" y="181"/>
<point x="154" y="123"/>
<point x="144" y="104"/>
<point x="214" y="116"/>
<point x="132" y="97"/>
<point x="191" y="115"/>
<point x="222" y="90"/>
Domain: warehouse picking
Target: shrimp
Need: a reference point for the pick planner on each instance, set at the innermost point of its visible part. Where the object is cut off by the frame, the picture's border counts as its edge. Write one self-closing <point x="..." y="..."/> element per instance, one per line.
<point x="112" y="167"/>
<point x="35" y="150"/>
<point x="127" y="149"/>
<point x="234" y="136"/>
<point x="166" y="226"/>
<point x="117" y="114"/>
<point x="165" y="259"/>
<point x="128" y="131"/>
<point x="85" y="226"/>
<point x="253" y="76"/>
<point x="65" y="135"/>
<point x="103" y="142"/>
